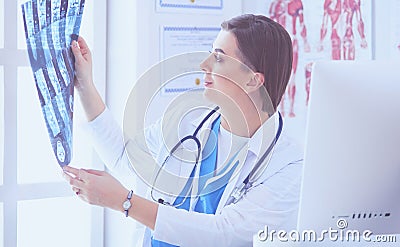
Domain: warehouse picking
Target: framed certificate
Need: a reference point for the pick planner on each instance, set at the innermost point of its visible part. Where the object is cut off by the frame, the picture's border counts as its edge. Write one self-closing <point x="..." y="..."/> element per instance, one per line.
<point x="194" y="43"/>
<point x="188" y="5"/>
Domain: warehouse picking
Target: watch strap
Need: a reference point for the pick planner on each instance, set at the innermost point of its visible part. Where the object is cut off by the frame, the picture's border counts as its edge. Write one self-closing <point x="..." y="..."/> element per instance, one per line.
<point x="128" y="198"/>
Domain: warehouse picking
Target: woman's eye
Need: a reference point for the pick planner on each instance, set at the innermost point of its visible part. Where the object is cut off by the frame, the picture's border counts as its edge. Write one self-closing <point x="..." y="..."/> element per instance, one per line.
<point x="217" y="56"/>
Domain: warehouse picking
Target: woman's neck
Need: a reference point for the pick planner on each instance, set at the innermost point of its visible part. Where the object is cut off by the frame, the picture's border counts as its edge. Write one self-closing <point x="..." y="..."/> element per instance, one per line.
<point x="244" y="121"/>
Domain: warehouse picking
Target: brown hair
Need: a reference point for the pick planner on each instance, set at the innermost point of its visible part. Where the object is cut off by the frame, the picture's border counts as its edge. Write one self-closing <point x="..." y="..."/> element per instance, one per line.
<point x="266" y="47"/>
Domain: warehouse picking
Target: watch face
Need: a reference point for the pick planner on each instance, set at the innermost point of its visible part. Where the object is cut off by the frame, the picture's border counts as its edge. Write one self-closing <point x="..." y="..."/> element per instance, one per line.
<point x="126" y="205"/>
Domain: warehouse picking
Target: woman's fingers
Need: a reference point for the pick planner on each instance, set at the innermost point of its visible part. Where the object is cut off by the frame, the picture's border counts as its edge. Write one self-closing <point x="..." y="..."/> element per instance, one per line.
<point x="82" y="44"/>
<point x="85" y="50"/>
<point x="78" y="186"/>
<point x="83" y="175"/>
<point x="95" y="172"/>
<point x="74" y="178"/>
<point x="81" y="51"/>
<point x="71" y="170"/>
<point x="76" y="50"/>
<point x="74" y="181"/>
<point x="83" y="63"/>
<point x="96" y="187"/>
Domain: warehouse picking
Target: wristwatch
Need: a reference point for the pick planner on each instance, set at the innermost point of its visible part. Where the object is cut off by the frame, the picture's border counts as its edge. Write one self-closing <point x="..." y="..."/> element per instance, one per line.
<point x="127" y="203"/>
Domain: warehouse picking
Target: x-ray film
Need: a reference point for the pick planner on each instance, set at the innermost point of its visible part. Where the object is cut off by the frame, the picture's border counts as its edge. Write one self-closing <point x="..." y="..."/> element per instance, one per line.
<point x="50" y="26"/>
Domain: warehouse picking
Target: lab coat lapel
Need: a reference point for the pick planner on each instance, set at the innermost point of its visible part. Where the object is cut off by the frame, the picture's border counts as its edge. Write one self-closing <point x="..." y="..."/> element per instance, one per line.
<point x="174" y="175"/>
<point x="169" y="180"/>
<point x="179" y="167"/>
<point x="268" y="132"/>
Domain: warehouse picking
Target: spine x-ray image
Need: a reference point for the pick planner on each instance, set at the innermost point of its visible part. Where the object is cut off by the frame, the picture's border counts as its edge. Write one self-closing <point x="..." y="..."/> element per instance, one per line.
<point x="50" y="26"/>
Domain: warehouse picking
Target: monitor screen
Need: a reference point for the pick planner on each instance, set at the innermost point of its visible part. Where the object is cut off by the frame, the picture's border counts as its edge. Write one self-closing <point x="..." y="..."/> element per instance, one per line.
<point x="352" y="157"/>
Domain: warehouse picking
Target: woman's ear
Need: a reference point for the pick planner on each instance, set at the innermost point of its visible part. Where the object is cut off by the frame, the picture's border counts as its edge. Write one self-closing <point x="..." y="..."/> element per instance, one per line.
<point x="255" y="82"/>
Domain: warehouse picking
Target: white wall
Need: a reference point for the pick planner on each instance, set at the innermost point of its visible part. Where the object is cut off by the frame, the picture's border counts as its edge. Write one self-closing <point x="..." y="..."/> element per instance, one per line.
<point x="385" y="21"/>
<point x="121" y="74"/>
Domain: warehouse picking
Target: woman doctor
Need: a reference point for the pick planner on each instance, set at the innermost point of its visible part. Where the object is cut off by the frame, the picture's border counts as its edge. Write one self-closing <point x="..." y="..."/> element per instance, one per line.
<point x="251" y="55"/>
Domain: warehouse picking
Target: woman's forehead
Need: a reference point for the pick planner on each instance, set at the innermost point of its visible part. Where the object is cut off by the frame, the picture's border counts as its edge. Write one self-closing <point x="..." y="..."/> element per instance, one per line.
<point x="226" y="41"/>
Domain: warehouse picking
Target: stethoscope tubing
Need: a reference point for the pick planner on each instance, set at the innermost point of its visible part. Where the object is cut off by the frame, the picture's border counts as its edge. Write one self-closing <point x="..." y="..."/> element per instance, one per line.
<point x="247" y="183"/>
<point x="240" y="190"/>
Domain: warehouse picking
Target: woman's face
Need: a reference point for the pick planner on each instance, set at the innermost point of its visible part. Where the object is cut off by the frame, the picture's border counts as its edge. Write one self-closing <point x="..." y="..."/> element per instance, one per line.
<point x="226" y="77"/>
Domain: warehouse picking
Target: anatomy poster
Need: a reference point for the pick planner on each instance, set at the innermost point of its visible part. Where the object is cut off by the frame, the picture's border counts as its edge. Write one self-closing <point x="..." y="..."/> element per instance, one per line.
<point x="320" y="30"/>
<point x="50" y="26"/>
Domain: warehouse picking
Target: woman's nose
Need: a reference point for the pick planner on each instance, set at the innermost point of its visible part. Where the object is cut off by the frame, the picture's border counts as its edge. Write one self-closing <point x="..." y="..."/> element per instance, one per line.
<point x="205" y="64"/>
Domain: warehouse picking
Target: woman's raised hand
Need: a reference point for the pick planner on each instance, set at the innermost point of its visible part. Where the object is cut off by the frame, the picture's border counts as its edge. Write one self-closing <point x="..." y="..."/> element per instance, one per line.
<point x="90" y="98"/>
<point x="83" y="64"/>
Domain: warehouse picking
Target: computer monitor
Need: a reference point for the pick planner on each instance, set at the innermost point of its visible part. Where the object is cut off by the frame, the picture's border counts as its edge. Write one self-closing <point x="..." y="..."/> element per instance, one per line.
<point x="352" y="155"/>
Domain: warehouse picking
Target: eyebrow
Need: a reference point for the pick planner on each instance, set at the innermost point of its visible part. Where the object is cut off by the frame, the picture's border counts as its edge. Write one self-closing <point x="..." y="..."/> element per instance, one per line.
<point x="219" y="50"/>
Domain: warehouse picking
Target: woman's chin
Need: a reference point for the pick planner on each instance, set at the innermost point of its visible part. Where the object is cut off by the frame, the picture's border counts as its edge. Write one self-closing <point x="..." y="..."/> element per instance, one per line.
<point x="217" y="97"/>
<point x="210" y="95"/>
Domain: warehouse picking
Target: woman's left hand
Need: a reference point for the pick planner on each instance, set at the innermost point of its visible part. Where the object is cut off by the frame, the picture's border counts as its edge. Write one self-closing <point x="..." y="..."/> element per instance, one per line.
<point x="96" y="187"/>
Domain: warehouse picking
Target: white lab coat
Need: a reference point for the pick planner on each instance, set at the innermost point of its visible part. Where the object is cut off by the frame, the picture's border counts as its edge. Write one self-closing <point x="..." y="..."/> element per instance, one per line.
<point x="272" y="201"/>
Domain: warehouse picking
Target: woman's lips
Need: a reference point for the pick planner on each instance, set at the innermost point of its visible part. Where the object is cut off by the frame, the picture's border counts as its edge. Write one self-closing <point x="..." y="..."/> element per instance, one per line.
<point x="207" y="83"/>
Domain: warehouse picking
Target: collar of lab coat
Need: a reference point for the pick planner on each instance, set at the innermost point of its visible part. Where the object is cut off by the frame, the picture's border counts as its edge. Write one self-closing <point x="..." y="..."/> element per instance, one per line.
<point x="258" y="142"/>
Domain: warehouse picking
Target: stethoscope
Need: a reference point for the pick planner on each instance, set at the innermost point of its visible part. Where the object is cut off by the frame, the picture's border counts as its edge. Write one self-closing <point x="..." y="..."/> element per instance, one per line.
<point x="239" y="191"/>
